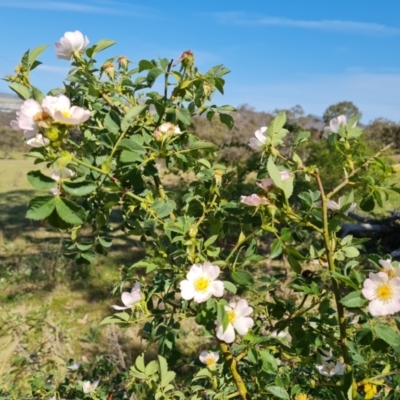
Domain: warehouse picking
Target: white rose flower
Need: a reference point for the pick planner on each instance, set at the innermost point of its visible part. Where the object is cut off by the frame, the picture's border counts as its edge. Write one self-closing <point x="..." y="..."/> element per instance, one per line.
<point x="130" y="298"/>
<point x="334" y="125"/>
<point x="200" y="283"/>
<point x="383" y="294"/>
<point x="37" y="140"/>
<point x="254" y="200"/>
<point x="88" y="387"/>
<point x="70" y="43"/>
<point x="324" y="354"/>
<point x="258" y="141"/>
<point x="278" y="335"/>
<point x="239" y="321"/>
<point x="389" y="269"/>
<point x="210" y="358"/>
<point x="331" y="368"/>
<point x="167" y="127"/>
<point x="61" y="174"/>
<point x="59" y="108"/>
<point x="333" y="206"/>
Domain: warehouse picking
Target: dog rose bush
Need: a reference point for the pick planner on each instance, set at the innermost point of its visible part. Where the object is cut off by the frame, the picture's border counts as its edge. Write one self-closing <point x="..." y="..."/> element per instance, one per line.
<point x="324" y="327"/>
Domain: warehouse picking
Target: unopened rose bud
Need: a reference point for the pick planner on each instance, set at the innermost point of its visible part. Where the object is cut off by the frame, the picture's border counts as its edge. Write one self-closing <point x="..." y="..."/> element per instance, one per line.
<point x="207" y="89"/>
<point x="347" y="145"/>
<point x="272" y="210"/>
<point x="53" y="134"/>
<point x="218" y="177"/>
<point x="193" y="232"/>
<point x="123" y="62"/>
<point x="109" y="69"/>
<point x="187" y="59"/>
<point x="395" y="168"/>
<point x="17" y="69"/>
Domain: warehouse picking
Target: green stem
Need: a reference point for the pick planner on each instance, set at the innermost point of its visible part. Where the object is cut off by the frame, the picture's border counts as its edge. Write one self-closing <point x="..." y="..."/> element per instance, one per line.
<point x="347" y="180"/>
<point x="240" y="242"/>
<point x="93" y="168"/>
<point x="331" y="264"/>
<point x="232" y="365"/>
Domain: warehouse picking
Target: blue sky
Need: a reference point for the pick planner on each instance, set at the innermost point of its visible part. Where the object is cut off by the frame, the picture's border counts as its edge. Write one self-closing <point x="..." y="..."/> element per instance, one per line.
<point x="312" y="53"/>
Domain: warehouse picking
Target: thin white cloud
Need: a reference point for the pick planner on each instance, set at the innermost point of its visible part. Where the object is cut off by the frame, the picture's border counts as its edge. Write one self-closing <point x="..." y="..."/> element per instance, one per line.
<point x="53" y="69"/>
<point x="375" y="94"/>
<point x="78" y="8"/>
<point x="364" y="28"/>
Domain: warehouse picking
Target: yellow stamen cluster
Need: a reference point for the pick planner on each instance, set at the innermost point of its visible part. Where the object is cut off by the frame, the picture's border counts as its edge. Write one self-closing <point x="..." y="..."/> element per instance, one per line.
<point x="201" y="284"/>
<point x="302" y="396"/>
<point x="384" y="292"/>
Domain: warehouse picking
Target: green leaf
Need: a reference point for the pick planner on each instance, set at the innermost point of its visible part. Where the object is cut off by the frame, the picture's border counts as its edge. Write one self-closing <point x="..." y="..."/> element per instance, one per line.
<point x="353" y="299"/>
<point x="243" y="278"/>
<point x="387" y="334"/>
<point x="276" y="248"/>
<point x="350" y="252"/>
<point x="269" y="362"/>
<point x="79" y="188"/>
<point x="41" y="207"/>
<point x="227" y="120"/>
<point x="130" y="157"/>
<point x="40" y="181"/>
<point x="35" y="53"/>
<point x="151" y="368"/>
<point x="166" y="209"/>
<point x="153" y="75"/>
<point x="21" y="90"/>
<point x="279" y="392"/>
<point x="301" y="137"/>
<point x="100" y="46"/>
<point x="183" y="115"/>
<point x="346" y="280"/>
<point x="70" y="212"/>
<point x="367" y="203"/>
<point x="37" y="94"/>
<point x="131" y="115"/>
<point x="230" y="287"/>
<point x="296" y="266"/>
<point x="210" y="240"/>
<point x="132" y="144"/>
<point x="202" y="144"/>
<point x="222" y="315"/>
<point x="145" y="65"/>
<point x="274" y="173"/>
<point x="112" y="122"/>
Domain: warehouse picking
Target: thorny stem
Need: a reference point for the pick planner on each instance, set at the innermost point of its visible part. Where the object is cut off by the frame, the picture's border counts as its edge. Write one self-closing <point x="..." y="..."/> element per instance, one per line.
<point x="347" y="180"/>
<point x="331" y="264"/>
<point x="232" y="365"/>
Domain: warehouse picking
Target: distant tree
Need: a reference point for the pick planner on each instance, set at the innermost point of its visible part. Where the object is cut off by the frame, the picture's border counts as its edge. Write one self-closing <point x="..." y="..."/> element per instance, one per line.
<point x="382" y="131"/>
<point x="346" y="108"/>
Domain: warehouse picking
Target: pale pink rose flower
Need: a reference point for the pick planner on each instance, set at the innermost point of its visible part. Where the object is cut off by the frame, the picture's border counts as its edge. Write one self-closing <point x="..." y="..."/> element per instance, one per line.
<point x="210" y="358"/>
<point x="70" y="43"/>
<point x="167" y="127"/>
<point x="334" y="125"/>
<point x="258" y="141"/>
<point x="331" y="368"/>
<point x="267" y="183"/>
<point x="59" y="108"/>
<point x="200" y="283"/>
<point x="254" y="200"/>
<point x="383" y="294"/>
<point x="239" y="321"/>
<point x="130" y="298"/>
<point x="89" y="387"/>
<point x="25" y="116"/>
